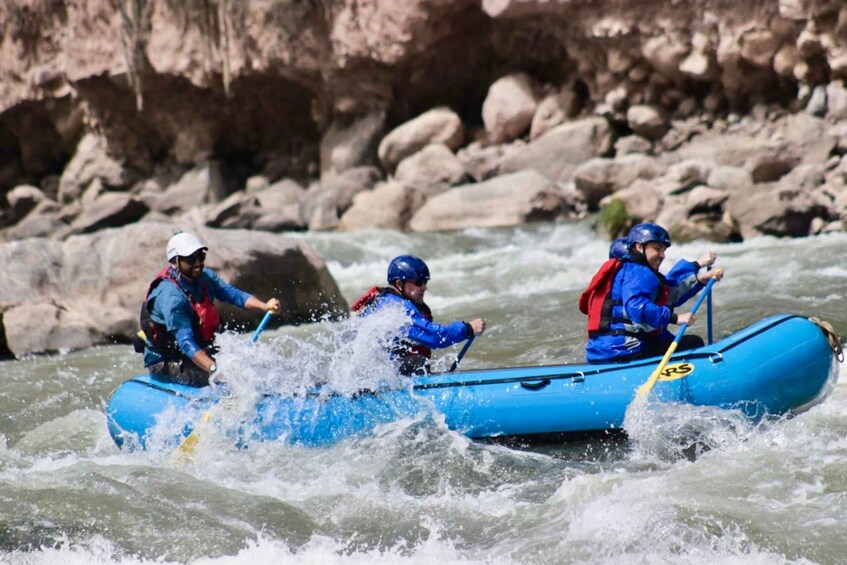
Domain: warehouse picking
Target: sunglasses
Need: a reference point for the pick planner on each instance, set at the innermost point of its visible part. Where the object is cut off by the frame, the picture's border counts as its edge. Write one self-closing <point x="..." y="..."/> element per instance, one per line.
<point x="195" y="257"/>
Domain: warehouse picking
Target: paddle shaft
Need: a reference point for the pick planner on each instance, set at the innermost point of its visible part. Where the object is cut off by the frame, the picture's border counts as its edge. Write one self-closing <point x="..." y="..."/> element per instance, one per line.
<point x="709" y="314"/>
<point x="464" y="350"/>
<point x="262" y="325"/>
<point x="645" y="389"/>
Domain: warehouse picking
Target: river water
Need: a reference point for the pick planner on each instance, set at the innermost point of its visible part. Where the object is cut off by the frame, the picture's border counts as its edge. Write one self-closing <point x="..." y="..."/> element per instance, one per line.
<point x="415" y="492"/>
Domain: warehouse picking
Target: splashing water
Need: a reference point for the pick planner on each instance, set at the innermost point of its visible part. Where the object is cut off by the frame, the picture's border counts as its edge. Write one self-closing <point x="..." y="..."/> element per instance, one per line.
<point x="668" y="432"/>
<point x="337" y="359"/>
<point x="343" y="357"/>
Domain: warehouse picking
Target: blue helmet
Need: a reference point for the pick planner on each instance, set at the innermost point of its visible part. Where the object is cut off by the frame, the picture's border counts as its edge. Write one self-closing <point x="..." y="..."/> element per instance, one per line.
<point x="645" y="233"/>
<point x="408" y="268"/>
<point x="619" y="249"/>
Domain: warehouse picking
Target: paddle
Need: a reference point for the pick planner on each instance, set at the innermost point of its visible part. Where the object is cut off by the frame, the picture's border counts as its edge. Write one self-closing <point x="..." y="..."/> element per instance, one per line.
<point x="709" y="314"/>
<point x="262" y="325"/>
<point x="644" y="390"/>
<point x="186" y="448"/>
<point x="464" y="350"/>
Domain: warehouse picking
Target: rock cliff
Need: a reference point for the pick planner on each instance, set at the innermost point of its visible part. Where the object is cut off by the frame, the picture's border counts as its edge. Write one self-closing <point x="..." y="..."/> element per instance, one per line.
<point x="180" y="104"/>
<point x="719" y="119"/>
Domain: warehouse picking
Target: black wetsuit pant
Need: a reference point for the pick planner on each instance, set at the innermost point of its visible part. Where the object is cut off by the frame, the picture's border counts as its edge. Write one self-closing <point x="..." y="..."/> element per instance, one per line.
<point x="184" y="372"/>
<point x="658" y="347"/>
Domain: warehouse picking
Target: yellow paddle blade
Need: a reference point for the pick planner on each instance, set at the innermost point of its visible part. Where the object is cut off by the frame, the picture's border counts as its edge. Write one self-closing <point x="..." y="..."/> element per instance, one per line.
<point x="644" y="390"/>
<point x="189" y="444"/>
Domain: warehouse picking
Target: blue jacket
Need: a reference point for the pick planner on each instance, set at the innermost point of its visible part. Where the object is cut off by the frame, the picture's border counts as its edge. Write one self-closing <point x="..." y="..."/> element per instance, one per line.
<point x="635" y="291"/>
<point x="419" y="329"/>
<point x="172" y="309"/>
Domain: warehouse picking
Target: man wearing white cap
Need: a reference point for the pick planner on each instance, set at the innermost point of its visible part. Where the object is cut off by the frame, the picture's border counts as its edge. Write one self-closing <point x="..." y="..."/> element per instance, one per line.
<point x="179" y="317"/>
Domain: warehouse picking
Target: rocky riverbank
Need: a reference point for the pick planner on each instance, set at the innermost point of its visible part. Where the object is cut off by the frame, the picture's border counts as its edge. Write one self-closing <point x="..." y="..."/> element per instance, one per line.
<point x="720" y="120"/>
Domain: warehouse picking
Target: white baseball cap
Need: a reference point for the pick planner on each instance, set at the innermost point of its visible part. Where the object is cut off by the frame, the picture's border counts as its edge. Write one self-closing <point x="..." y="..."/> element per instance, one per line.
<point x="183" y="244"/>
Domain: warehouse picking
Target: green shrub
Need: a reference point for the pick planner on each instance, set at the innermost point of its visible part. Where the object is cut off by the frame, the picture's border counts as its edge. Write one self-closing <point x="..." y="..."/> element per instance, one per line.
<point x="613" y="219"/>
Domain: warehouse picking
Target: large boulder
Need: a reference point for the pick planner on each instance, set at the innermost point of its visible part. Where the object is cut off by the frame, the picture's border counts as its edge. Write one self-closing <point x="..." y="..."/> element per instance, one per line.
<point x="507" y="200"/>
<point x="647" y="121"/>
<point x="509" y="107"/>
<point x="599" y="177"/>
<point x="88" y="289"/>
<point x="351" y="143"/>
<point x="773" y="209"/>
<point x="554" y="109"/>
<point x="430" y="171"/>
<point x="91" y="162"/>
<point x="439" y="125"/>
<point x="386" y="206"/>
<point x="202" y="185"/>
<point x="557" y="153"/>
<point x="325" y="202"/>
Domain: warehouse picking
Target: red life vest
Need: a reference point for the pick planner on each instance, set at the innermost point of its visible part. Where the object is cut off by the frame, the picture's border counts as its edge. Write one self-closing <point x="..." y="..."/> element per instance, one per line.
<point x="205" y="323"/>
<point x="405" y="347"/>
<point x="596" y="301"/>
<point x="366" y="299"/>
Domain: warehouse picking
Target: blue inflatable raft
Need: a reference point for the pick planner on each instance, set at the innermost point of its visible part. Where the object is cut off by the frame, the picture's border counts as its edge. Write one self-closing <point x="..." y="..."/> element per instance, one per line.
<point x="781" y="365"/>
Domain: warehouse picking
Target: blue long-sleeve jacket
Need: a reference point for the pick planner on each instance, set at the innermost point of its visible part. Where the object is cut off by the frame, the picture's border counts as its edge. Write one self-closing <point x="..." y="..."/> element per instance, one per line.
<point x="172" y="309"/>
<point x="421" y="330"/>
<point x="634" y="293"/>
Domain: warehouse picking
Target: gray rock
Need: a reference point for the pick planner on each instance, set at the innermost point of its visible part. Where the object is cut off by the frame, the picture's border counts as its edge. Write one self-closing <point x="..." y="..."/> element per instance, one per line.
<point x="284" y="219"/>
<point x="506" y="200"/>
<point x="280" y="194"/>
<point x="481" y="161"/>
<point x="836" y="96"/>
<point x="386" y="206"/>
<point x="238" y="210"/>
<point x="202" y="185"/>
<point x="600" y="177"/>
<point x="772" y="209"/>
<point x="633" y="144"/>
<point x="553" y="110"/>
<point x="729" y="178"/>
<point x="817" y="102"/>
<point x="647" y="121"/>
<point x="643" y="202"/>
<point x="351" y="142"/>
<point x="111" y="209"/>
<point x="23" y="199"/>
<point x="43" y="220"/>
<point x="557" y="153"/>
<point x="90" y="162"/>
<point x="508" y="108"/>
<point x="430" y="171"/>
<point x="440" y="125"/>
<point x="770" y="166"/>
